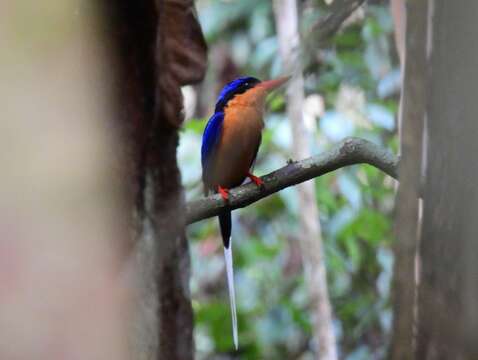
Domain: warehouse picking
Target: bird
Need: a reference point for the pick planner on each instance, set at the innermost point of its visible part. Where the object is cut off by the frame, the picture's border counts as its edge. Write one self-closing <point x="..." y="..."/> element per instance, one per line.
<point x="230" y="143"/>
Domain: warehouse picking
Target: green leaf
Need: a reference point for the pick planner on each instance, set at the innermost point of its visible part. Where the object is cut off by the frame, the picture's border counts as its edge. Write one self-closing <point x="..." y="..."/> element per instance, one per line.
<point x="370" y="226"/>
<point x="196" y="125"/>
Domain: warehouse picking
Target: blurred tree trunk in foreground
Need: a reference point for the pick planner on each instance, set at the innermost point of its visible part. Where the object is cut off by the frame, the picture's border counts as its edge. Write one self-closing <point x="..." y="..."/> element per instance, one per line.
<point x="63" y="216"/>
<point x="160" y="48"/>
<point x="91" y="107"/>
<point x="446" y="320"/>
<point x="310" y="238"/>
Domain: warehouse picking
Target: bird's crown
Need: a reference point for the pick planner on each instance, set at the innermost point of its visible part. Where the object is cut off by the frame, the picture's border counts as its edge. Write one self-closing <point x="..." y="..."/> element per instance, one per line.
<point x="237" y="86"/>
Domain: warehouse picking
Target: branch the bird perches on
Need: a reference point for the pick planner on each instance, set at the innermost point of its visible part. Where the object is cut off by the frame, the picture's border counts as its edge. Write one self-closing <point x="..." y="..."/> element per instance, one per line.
<point x="349" y="151"/>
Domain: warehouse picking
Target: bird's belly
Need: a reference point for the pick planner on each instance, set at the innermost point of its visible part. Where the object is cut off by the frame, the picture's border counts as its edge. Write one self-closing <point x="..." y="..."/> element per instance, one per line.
<point x="237" y="148"/>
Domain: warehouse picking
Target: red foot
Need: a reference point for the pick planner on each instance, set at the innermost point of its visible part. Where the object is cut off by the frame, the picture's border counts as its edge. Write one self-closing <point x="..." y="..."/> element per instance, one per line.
<point x="256" y="180"/>
<point x="224" y="192"/>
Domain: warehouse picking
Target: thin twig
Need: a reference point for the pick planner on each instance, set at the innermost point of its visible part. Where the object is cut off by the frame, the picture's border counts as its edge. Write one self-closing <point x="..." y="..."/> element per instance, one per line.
<point x="349" y="151"/>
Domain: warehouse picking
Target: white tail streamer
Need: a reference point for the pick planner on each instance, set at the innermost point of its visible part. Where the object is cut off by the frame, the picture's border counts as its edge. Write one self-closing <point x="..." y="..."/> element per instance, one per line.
<point x="232" y="294"/>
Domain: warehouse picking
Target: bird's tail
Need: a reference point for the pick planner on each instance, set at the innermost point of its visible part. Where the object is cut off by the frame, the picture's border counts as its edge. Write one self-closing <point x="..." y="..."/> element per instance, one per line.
<point x="225" y="224"/>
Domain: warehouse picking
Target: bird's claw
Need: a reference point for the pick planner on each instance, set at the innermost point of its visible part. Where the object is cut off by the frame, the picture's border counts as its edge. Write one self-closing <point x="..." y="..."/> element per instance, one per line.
<point x="256" y="180"/>
<point x="223" y="192"/>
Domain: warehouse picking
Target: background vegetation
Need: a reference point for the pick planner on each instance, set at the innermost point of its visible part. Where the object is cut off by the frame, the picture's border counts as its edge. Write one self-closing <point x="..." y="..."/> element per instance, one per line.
<point x="351" y="89"/>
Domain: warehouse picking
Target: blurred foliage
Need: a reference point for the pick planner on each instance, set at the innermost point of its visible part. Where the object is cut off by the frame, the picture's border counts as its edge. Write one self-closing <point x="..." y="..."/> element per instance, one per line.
<point x="352" y="88"/>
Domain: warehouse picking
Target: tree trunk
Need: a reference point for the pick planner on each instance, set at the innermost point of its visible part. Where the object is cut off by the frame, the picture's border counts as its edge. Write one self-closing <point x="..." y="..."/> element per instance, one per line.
<point x="159" y="49"/>
<point x="442" y="99"/>
<point x="412" y="114"/>
<point x="448" y="290"/>
<point x="310" y="240"/>
<point x="398" y="11"/>
<point x="63" y="219"/>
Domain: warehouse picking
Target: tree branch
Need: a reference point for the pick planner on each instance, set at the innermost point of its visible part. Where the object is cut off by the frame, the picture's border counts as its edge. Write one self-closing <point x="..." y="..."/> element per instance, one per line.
<point x="349" y="151"/>
<point x="328" y="25"/>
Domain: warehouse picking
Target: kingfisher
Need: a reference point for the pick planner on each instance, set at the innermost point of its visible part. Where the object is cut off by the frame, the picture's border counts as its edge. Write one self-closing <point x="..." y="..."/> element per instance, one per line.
<point x="230" y="143"/>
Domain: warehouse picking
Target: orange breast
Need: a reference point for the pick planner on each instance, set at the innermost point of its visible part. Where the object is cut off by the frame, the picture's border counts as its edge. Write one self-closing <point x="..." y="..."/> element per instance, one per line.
<point x="241" y="136"/>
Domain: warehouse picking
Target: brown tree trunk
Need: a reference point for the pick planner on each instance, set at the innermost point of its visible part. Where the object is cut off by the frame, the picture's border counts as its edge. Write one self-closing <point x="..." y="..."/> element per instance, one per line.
<point x="159" y="49"/>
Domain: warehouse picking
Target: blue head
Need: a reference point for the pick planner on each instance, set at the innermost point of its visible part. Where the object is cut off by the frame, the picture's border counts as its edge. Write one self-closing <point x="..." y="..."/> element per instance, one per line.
<point x="235" y="87"/>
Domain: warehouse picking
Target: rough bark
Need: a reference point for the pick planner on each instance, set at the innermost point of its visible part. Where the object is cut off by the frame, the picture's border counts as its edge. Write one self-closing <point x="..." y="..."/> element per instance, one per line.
<point x="159" y="47"/>
<point x="310" y="239"/>
<point x="348" y="152"/>
<point x="412" y="116"/>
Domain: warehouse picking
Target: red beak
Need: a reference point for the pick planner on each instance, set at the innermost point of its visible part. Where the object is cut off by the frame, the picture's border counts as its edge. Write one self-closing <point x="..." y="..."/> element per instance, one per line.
<point x="270" y="85"/>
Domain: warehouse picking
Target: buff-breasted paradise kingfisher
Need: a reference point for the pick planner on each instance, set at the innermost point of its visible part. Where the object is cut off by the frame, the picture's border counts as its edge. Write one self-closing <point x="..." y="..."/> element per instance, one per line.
<point x="230" y="143"/>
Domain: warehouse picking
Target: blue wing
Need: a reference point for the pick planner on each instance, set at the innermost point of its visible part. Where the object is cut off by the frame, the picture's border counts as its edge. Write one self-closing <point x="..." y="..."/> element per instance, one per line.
<point x="210" y="138"/>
